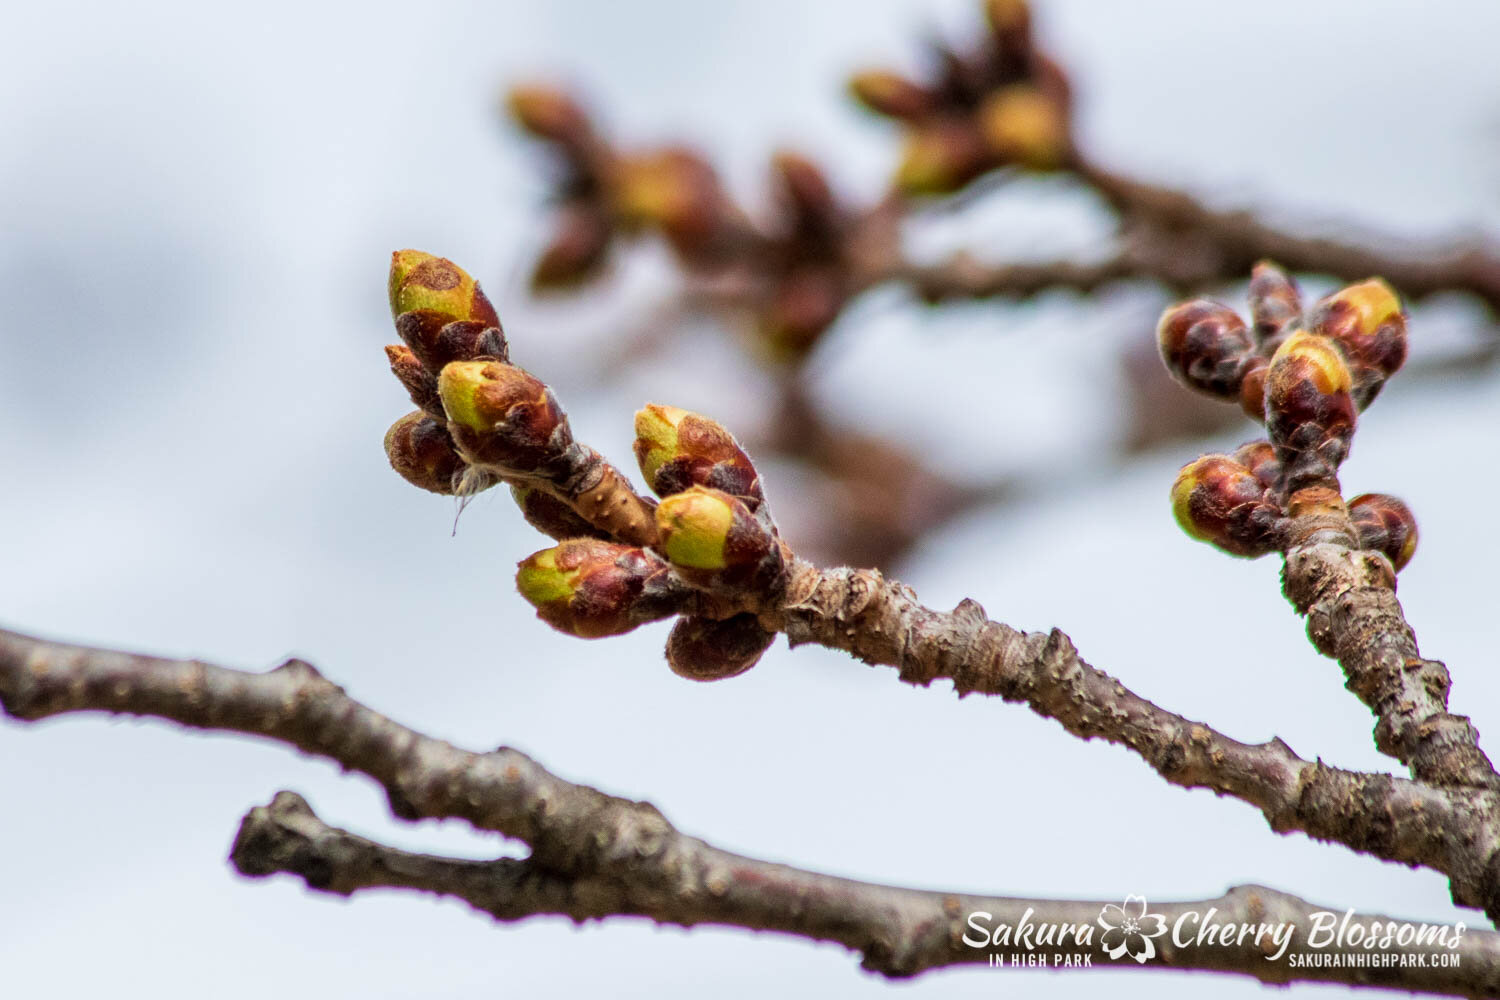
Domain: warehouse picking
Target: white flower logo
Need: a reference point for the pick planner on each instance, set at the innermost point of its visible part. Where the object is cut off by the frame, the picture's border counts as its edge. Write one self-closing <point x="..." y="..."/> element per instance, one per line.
<point x="1128" y="929"/>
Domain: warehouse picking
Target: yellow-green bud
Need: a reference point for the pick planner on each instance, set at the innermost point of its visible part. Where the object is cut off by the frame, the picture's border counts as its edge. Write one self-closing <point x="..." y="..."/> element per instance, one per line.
<point x="695" y="527"/>
<point x="677" y="449"/>
<point x="592" y="588"/>
<point x="421" y="282"/>
<point x="502" y="416"/>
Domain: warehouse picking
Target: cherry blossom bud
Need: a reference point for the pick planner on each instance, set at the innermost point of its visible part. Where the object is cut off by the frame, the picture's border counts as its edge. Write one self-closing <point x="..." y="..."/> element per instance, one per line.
<point x="548" y="113"/>
<point x="703" y="649"/>
<point x="942" y="155"/>
<point x="1309" y="411"/>
<point x="677" y="450"/>
<point x="1206" y="347"/>
<point x="592" y="588"/>
<point x="1260" y="458"/>
<point x="1219" y="501"/>
<point x="713" y="537"/>
<point x="1385" y="524"/>
<point x="892" y="94"/>
<point x="441" y="312"/>
<point x="420" y="449"/>
<point x="420" y="384"/>
<point x="1024" y="126"/>
<point x="1367" y="322"/>
<point x="578" y="249"/>
<point x="502" y="416"/>
<point x="1275" y="303"/>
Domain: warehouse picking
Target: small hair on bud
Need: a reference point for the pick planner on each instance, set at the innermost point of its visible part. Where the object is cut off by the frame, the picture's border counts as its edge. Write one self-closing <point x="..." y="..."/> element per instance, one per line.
<point x="703" y="649"/>
<point x="1385" y="524"/>
<point x="1206" y="347"/>
<point x="1219" y="501"/>
<point x="677" y="450"/>
<point x="420" y="449"/>
<point x="1368" y="323"/>
<point x="592" y="588"/>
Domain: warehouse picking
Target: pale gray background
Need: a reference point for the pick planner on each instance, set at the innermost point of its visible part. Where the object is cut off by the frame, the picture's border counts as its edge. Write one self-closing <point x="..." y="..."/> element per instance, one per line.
<point x="198" y="207"/>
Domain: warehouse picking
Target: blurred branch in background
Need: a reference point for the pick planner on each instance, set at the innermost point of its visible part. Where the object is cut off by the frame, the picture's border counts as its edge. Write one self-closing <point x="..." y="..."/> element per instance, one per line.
<point x="980" y="117"/>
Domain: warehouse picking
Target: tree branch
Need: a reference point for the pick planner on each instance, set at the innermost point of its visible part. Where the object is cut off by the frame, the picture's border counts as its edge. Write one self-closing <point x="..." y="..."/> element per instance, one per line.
<point x="595" y="855"/>
<point x="900" y="931"/>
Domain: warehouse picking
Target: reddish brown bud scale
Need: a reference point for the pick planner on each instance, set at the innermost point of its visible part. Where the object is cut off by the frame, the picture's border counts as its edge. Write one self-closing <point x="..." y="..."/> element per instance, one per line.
<point x="1275" y="304"/>
<point x="1219" y="501"/>
<point x="891" y="94"/>
<point x="437" y="343"/>
<point x="592" y="588"/>
<point x="578" y="249"/>
<point x="551" y="515"/>
<point x="420" y="384"/>
<point x="1253" y="388"/>
<point x="502" y="416"/>
<point x="1260" y="458"/>
<point x="677" y="450"/>
<point x="1368" y="323"/>
<point x="1310" y="413"/>
<point x="1385" y="524"/>
<point x="421" y="451"/>
<point x="702" y="649"/>
<point x="1207" y="347"/>
<point x="713" y="539"/>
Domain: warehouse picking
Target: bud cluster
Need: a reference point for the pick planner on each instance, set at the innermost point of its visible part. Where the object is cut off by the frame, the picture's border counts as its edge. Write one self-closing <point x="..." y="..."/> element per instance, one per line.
<point x="1305" y="376"/>
<point x="798" y="260"/>
<point x="1006" y="104"/>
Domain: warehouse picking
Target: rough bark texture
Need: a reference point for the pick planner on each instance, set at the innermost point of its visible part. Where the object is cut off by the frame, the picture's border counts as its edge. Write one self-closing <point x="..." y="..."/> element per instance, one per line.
<point x="595" y="855"/>
<point x="1349" y="598"/>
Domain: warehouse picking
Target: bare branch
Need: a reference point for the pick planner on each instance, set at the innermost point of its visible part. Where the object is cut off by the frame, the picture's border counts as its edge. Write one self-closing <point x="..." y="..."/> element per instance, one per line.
<point x="901" y="931"/>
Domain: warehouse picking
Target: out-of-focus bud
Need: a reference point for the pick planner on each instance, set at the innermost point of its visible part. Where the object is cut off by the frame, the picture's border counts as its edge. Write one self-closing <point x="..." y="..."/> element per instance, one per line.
<point x="550" y="515"/>
<point x="942" y="155"/>
<point x="1219" y="501"/>
<point x="1260" y="458"/>
<point x="673" y="190"/>
<point x="420" y="449"/>
<point x="420" y="384"/>
<point x="677" y="450"/>
<point x="892" y="94"/>
<point x="1010" y="20"/>
<point x="548" y="113"/>
<point x="805" y="191"/>
<point x="1024" y="126"/>
<point x="591" y="588"/>
<point x="702" y="649"/>
<point x="1309" y="411"/>
<point x="441" y="313"/>
<point x="578" y="248"/>
<point x="1275" y="303"/>
<point x="803" y="305"/>
<point x="1385" y="524"/>
<point x="502" y="416"/>
<point x="1206" y="347"/>
<point x="1369" y="325"/>
<point x="713" y="537"/>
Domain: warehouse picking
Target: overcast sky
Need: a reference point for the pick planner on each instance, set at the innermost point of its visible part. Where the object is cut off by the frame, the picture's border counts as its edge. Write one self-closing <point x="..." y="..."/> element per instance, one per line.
<point x="198" y="206"/>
